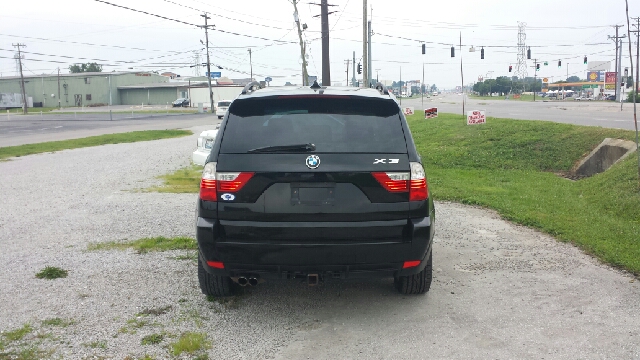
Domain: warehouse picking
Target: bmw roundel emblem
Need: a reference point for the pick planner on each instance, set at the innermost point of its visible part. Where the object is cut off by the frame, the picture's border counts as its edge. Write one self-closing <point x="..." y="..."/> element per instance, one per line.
<point x="313" y="161"/>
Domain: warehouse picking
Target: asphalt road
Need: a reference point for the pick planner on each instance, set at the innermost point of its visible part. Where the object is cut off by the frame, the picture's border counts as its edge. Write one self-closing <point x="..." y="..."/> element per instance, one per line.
<point x="591" y="113"/>
<point x="29" y="129"/>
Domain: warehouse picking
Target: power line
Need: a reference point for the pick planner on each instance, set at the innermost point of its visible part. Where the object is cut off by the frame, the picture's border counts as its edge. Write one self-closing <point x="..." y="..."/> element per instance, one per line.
<point x="190" y="24"/>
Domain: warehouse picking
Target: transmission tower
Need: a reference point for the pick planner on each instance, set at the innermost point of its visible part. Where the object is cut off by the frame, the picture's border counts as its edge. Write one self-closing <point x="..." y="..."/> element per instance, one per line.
<point x="197" y="63"/>
<point x="521" y="66"/>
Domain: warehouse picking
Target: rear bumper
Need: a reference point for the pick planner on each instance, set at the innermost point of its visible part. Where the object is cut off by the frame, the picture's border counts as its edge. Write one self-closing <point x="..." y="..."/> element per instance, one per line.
<point x="339" y="260"/>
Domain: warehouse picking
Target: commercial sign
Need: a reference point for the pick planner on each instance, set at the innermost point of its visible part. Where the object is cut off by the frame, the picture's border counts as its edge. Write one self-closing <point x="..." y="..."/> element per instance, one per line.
<point x="610" y="79"/>
<point x="476" y="117"/>
<point x="408" y="110"/>
<point x="214" y="75"/>
<point x="593" y="76"/>
<point x="430" y="113"/>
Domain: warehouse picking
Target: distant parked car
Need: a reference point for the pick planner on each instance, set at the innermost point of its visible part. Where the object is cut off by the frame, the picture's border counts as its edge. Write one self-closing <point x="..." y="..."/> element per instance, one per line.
<point x="182" y="102"/>
<point x="205" y="142"/>
<point x="583" y="98"/>
<point x="223" y="106"/>
<point x="610" y="97"/>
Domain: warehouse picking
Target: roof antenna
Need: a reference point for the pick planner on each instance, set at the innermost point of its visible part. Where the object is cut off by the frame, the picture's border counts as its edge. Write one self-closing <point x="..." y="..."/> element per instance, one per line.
<point x="315" y="85"/>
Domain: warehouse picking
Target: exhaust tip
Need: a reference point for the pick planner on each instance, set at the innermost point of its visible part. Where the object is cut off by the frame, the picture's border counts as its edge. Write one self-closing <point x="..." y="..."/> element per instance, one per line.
<point x="242" y="281"/>
<point x="253" y="281"/>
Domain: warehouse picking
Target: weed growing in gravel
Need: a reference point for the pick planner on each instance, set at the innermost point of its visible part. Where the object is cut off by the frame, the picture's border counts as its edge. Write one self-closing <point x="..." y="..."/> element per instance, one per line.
<point x="231" y="302"/>
<point x="152" y="339"/>
<point x="156" y="311"/>
<point x="27" y="353"/>
<point x="190" y="343"/>
<point x="52" y="272"/>
<point x="18" y="334"/>
<point x="145" y="245"/>
<point x="193" y="256"/>
<point x="58" y="322"/>
<point x="97" y="344"/>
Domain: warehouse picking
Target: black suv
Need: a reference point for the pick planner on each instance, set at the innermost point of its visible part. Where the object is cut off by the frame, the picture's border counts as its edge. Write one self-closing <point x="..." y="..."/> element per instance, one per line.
<point x="314" y="182"/>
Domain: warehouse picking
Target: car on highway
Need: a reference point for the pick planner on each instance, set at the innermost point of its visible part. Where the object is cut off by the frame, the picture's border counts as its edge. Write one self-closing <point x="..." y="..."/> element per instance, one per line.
<point x="181" y="102"/>
<point x="222" y="107"/>
<point x="315" y="183"/>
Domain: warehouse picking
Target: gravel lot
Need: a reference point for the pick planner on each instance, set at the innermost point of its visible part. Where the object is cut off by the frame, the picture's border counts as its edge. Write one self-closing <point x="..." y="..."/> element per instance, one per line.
<point x="500" y="290"/>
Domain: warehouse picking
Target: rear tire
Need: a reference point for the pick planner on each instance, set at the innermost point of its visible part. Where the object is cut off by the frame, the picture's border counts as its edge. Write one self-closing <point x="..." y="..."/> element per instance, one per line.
<point x="418" y="283"/>
<point x="212" y="285"/>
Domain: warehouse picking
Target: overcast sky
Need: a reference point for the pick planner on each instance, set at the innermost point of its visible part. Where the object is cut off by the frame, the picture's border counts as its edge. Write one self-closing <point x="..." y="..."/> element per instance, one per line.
<point x="72" y="31"/>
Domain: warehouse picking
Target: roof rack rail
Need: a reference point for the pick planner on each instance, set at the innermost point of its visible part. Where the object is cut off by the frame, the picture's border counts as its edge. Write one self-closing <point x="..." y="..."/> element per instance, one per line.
<point x="383" y="89"/>
<point x="250" y="87"/>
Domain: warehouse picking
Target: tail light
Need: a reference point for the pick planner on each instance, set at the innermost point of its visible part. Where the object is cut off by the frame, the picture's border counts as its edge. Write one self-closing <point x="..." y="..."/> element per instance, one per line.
<point x="414" y="182"/>
<point x="227" y="182"/>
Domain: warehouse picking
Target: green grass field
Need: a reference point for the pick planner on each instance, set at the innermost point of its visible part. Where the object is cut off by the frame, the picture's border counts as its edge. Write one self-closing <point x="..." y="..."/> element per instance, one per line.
<point x="511" y="166"/>
<point x="29" y="149"/>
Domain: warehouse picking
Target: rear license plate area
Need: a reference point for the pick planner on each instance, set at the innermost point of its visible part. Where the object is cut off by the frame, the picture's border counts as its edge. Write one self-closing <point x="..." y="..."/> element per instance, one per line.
<point x="313" y="194"/>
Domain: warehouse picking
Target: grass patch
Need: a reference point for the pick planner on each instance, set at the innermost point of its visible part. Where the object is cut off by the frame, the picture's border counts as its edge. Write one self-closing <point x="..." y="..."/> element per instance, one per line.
<point x="29" y="149"/>
<point x="190" y="343"/>
<point x="52" y="272"/>
<point x="152" y="339"/>
<point x="510" y="165"/>
<point x="58" y="322"/>
<point x="185" y="180"/>
<point x="18" y="334"/>
<point x="145" y="245"/>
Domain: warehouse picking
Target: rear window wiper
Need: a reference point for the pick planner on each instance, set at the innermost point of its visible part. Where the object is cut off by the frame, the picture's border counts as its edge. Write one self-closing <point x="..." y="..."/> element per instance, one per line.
<point x="296" y="147"/>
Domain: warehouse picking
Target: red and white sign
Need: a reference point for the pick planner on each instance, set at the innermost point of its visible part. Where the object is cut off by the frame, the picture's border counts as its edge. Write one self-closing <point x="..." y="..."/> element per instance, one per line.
<point x="430" y="113"/>
<point x="476" y="117"/>
<point x="408" y="110"/>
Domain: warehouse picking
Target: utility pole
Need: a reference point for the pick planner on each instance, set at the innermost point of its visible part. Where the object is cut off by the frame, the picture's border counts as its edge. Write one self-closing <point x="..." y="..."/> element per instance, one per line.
<point x="635" y="84"/>
<point x="369" y="65"/>
<point x="58" y="88"/>
<point x="535" y="81"/>
<point x="251" y="64"/>
<point x="324" y="22"/>
<point x="348" y="62"/>
<point x="305" y="75"/>
<point x="365" y="63"/>
<point x="206" y="38"/>
<point x="353" y="69"/>
<point x="617" y="40"/>
<point x="24" y="95"/>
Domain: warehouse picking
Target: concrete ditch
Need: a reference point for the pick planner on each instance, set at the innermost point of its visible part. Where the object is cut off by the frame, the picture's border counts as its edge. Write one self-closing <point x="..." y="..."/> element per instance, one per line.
<point x="609" y="152"/>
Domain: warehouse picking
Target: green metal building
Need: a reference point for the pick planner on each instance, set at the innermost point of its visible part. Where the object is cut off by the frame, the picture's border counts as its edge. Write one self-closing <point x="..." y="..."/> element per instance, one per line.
<point x="87" y="89"/>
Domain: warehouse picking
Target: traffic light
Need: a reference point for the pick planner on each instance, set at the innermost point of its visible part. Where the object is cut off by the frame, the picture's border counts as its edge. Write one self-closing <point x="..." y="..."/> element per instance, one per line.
<point x="359" y="68"/>
<point x="537" y="67"/>
<point x="453" y="51"/>
<point x="510" y="68"/>
<point x="559" y="63"/>
<point x="482" y="54"/>
<point x="423" y="49"/>
<point x="585" y="60"/>
<point x="529" y="53"/>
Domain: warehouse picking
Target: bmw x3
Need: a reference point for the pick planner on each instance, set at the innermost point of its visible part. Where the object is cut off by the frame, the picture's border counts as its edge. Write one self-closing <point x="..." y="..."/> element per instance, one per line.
<point x="317" y="183"/>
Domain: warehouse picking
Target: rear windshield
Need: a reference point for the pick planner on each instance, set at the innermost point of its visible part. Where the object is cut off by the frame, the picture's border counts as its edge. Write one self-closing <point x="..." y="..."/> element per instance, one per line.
<point x="224" y="103"/>
<point x="344" y="125"/>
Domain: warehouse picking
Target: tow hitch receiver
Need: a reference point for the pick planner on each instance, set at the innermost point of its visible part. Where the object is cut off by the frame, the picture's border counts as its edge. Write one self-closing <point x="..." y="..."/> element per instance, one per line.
<point x="312" y="279"/>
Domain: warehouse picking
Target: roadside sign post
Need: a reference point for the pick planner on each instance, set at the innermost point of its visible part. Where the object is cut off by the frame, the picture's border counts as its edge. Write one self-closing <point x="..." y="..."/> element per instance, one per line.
<point x="475" y="117"/>
<point x="431" y="113"/>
